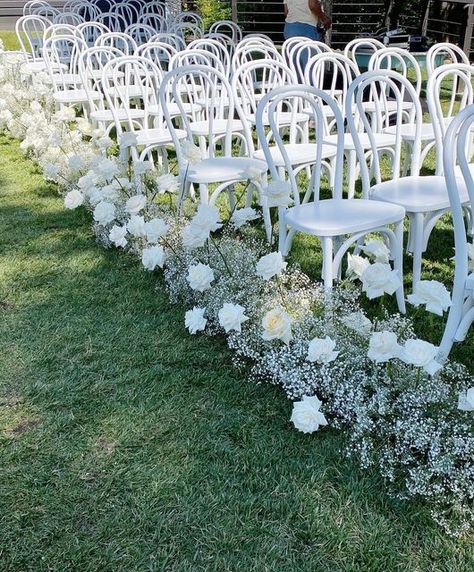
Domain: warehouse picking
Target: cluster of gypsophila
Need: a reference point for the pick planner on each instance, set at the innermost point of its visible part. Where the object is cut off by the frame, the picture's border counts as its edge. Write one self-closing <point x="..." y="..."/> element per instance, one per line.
<point x="400" y="408"/>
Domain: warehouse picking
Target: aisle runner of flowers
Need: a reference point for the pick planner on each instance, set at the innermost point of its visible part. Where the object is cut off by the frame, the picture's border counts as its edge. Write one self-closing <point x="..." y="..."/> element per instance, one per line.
<point x="404" y="414"/>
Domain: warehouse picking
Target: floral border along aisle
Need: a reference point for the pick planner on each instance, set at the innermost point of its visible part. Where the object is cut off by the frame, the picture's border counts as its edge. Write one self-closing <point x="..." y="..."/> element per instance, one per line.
<point x="404" y="414"/>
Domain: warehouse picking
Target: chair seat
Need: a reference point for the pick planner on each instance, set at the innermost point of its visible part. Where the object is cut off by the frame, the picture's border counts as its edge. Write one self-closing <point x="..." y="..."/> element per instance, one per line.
<point x="124" y="92"/>
<point x="223" y="169"/>
<point x="382" y="140"/>
<point x="76" y="96"/>
<point x="336" y="217"/>
<point x="67" y="79"/>
<point x="219" y="127"/>
<point x="417" y="194"/>
<point x="391" y="106"/>
<point x="407" y="131"/>
<point x="174" y="109"/>
<point x="105" y="115"/>
<point x="149" y="137"/>
<point x="284" y="118"/>
<point x="298" y="153"/>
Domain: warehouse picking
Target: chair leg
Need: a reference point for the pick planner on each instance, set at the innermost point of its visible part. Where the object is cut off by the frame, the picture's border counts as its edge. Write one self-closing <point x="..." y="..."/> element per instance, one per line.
<point x="351" y="173"/>
<point x="417" y="228"/>
<point x="328" y="251"/>
<point x="452" y="325"/>
<point x="397" y="253"/>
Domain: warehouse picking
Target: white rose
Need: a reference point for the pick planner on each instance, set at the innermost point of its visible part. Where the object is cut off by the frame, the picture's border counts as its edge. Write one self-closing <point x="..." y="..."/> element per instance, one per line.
<point x="466" y="400"/>
<point x="378" y="249"/>
<point x="432" y="294"/>
<point x="76" y="163"/>
<point x="117" y="235"/>
<point x="207" y="217"/>
<point x="110" y="192"/>
<point x="243" y="216"/>
<point x="254" y="173"/>
<point x="194" y="320"/>
<point x="73" y="199"/>
<point x="359" y="322"/>
<point x="104" y="143"/>
<point x="194" y="236"/>
<point x="421" y="354"/>
<point x="356" y="265"/>
<point x="153" y="257"/>
<point x="84" y="126"/>
<point x="200" y="277"/>
<point x="136" y="226"/>
<point x="278" y="194"/>
<point x="383" y="346"/>
<point x="142" y="167"/>
<point x="66" y="114"/>
<point x="277" y="326"/>
<point x="271" y="265"/>
<point x="35" y="106"/>
<point x="104" y="213"/>
<point x="107" y="169"/>
<point x="378" y="279"/>
<point x="321" y="350"/>
<point x="231" y="317"/>
<point x="95" y="195"/>
<point x="51" y="171"/>
<point x="135" y="204"/>
<point x="128" y="139"/>
<point x="306" y="415"/>
<point x="155" y="229"/>
<point x="191" y="152"/>
<point x="167" y="183"/>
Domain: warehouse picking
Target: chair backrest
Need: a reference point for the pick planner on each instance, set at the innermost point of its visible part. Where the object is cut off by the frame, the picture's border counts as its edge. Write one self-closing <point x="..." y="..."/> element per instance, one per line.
<point x="215" y="47"/>
<point x="190" y="18"/>
<point x="258" y="38"/>
<point x="437" y="55"/>
<point x="177" y="42"/>
<point x="155" y="21"/>
<point x="458" y="151"/>
<point x="269" y="132"/>
<point x="70" y="18"/>
<point x="289" y="44"/>
<point x="374" y="86"/>
<point x="127" y="10"/>
<point x="228" y="28"/>
<point x="300" y="53"/>
<point x="197" y="58"/>
<point x="154" y="7"/>
<point x="59" y="51"/>
<point x="131" y="81"/>
<point x="449" y="91"/>
<point x="62" y="30"/>
<point x="91" y="31"/>
<point x="159" y="52"/>
<point x="30" y="33"/>
<point x="213" y="92"/>
<point x="253" y="80"/>
<point x="397" y="59"/>
<point x="29" y="6"/>
<point x="333" y="73"/>
<point x="250" y="51"/>
<point x="114" y="21"/>
<point x="119" y="40"/>
<point x="86" y="9"/>
<point x="46" y="10"/>
<point x="361" y="50"/>
<point x="91" y="65"/>
<point x="141" y="33"/>
<point x="187" y="30"/>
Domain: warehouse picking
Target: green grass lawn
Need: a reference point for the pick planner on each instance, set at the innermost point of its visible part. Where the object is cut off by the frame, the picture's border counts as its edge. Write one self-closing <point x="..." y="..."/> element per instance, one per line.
<point x="127" y="444"/>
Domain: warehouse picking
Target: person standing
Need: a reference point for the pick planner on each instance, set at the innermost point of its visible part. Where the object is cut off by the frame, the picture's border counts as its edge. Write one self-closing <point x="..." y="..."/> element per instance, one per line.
<point x="305" y="18"/>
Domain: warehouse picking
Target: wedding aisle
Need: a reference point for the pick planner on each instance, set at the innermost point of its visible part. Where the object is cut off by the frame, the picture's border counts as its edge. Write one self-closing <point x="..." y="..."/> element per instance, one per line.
<point x="127" y="444"/>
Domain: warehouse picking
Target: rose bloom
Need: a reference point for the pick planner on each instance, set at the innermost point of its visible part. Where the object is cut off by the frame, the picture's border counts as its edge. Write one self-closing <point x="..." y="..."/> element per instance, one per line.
<point x="107" y="169"/>
<point x="142" y="167"/>
<point x="432" y="294"/>
<point x="466" y="400"/>
<point x="306" y="415"/>
<point x="271" y="265"/>
<point x="378" y="249"/>
<point x="136" y="226"/>
<point x="191" y="152"/>
<point x="194" y="236"/>
<point x="117" y="235"/>
<point x="243" y="216"/>
<point x="383" y="347"/>
<point x="254" y="173"/>
<point x="73" y="199"/>
<point x="231" y="317"/>
<point x="379" y="279"/>
<point x="194" y="320"/>
<point x="200" y="277"/>
<point x="207" y="217"/>
<point x="359" y="322"/>
<point x="356" y="265"/>
<point x="153" y="257"/>
<point x="421" y="354"/>
<point x="104" y="213"/>
<point x="321" y="350"/>
<point x="278" y="194"/>
<point x="76" y="163"/>
<point x="128" y="139"/>
<point x="135" y="204"/>
<point x="155" y="229"/>
<point x="167" y="183"/>
<point x="277" y="326"/>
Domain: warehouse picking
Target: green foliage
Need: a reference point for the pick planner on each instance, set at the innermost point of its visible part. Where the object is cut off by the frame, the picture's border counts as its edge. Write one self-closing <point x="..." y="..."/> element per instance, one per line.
<point x="213" y="10"/>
